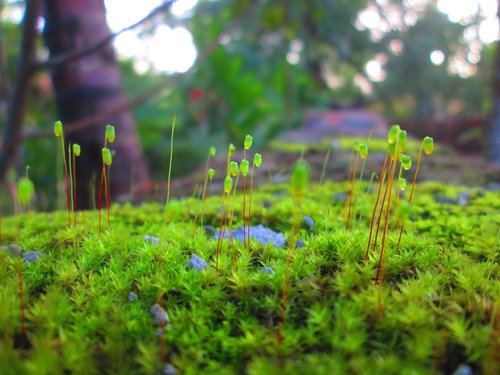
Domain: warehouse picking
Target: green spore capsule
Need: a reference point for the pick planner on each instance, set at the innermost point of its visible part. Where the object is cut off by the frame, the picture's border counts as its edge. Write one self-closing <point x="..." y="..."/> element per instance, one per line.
<point x="212" y="151"/>
<point x="110" y="133"/>
<point x="76" y="149"/>
<point x="233" y="168"/>
<point x="393" y="134"/>
<point x="403" y="140"/>
<point x="405" y="161"/>
<point x="58" y="129"/>
<point x="428" y="145"/>
<point x="257" y="159"/>
<point x="402" y="183"/>
<point x="106" y="156"/>
<point x="25" y="190"/>
<point x="231" y="149"/>
<point x="356" y="145"/>
<point x="244" y="167"/>
<point x="211" y="173"/>
<point x="300" y="177"/>
<point x="228" y="185"/>
<point x="393" y="151"/>
<point x="363" y="151"/>
<point x="248" y="142"/>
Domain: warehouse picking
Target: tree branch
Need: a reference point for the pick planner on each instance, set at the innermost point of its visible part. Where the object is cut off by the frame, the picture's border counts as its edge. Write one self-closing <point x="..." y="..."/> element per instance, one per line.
<point x="79" y="53"/>
<point x="95" y="119"/>
<point x="17" y="108"/>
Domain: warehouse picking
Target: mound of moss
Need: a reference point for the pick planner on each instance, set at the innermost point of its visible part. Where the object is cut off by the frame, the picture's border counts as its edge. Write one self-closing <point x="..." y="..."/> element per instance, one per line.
<point x="144" y="297"/>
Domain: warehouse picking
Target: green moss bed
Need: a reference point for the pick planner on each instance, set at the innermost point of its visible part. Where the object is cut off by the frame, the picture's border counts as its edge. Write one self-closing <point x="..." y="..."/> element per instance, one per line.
<point x="88" y="297"/>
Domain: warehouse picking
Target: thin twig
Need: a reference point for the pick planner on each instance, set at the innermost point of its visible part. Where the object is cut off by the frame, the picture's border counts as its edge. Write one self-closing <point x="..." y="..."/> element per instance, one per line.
<point x="79" y="53"/>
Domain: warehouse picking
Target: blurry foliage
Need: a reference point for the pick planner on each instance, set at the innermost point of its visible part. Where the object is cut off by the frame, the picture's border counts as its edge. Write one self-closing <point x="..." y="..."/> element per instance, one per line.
<point x="247" y="86"/>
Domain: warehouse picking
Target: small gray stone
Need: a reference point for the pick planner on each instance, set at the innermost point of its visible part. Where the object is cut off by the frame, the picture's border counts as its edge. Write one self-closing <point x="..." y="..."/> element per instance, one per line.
<point x="267" y="269"/>
<point x="197" y="263"/>
<point x="159" y="314"/>
<point x="260" y="234"/>
<point x="169" y="369"/>
<point x="309" y="222"/>
<point x="31" y="256"/>
<point x="443" y="199"/>
<point x="151" y="239"/>
<point x="463" y="370"/>
<point x="340" y="197"/>
<point x="132" y="297"/>
<point x="463" y="198"/>
<point x="12" y="249"/>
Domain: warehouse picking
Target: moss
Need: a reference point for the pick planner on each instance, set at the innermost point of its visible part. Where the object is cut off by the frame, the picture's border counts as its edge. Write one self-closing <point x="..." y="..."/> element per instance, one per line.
<point x="439" y="296"/>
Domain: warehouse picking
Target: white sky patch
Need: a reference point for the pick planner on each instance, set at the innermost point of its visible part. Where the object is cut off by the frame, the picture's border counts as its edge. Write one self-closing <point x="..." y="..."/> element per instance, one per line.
<point x="437" y="57"/>
<point x="165" y="50"/>
<point x="172" y="50"/>
<point x="375" y="71"/>
<point x="183" y="8"/>
<point x="488" y="30"/>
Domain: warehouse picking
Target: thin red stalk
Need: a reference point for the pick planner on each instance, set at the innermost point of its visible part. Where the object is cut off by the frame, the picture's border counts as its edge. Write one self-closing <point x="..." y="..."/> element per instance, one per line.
<point x="221" y="230"/>
<point x="352" y="191"/>
<point x="74" y="189"/>
<point x="244" y="201"/>
<point x="99" y="196"/>
<point x="233" y="252"/>
<point x="250" y="207"/>
<point x="66" y="180"/>
<point x="381" y="211"/>
<point x="386" y="222"/>
<point x="382" y="175"/>
<point x="107" y="194"/>
<point x="411" y="194"/>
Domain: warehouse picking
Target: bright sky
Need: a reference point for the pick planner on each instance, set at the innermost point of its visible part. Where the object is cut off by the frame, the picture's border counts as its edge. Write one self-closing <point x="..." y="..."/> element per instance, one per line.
<point x="463" y="62"/>
<point x="173" y="50"/>
<point x="167" y="49"/>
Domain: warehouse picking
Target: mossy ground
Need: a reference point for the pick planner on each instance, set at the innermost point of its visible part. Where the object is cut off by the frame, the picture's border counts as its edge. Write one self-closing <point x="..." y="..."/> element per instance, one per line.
<point x="440" y="298"/>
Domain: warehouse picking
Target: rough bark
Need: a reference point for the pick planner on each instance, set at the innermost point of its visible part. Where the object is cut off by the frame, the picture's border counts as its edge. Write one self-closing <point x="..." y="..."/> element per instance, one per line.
<point x="89" y="85"/>
<point x="494" y="149"/>
<point x="18" y="101"/>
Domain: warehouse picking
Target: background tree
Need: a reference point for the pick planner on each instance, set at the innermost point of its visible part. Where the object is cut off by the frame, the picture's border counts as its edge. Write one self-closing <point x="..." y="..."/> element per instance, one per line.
<point x="91" y="84"/>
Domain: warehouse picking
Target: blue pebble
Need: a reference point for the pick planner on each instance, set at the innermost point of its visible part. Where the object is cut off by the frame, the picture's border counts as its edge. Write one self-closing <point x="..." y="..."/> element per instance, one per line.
<point x="159" y="314"/>
<point x="309" y="222"/>
<point x="31" y="256"/>
<point x="300" y="243"/>
<point x="169" y="369"/>
<point x="267" y="269"/>
<point x="259" y="233"/>
<point x="209" y="230"/>
<point x="132" y="297"/>
<point x="463" y="370"/>
<point x="197" y="263"/>
<point x="151" y="239"/>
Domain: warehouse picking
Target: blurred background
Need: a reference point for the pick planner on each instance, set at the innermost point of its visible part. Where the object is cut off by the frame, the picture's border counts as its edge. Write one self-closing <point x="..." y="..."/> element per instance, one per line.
<point x="227" y="68"/>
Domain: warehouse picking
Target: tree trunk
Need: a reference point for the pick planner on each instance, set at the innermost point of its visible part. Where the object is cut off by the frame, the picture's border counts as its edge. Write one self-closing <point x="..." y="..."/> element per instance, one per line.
<point x="89" y="85"/>
<point x="494" y="149"/>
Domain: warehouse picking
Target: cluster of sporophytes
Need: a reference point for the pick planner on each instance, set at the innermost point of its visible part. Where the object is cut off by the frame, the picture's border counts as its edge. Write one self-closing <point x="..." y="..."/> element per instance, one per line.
<point x="151" y="296"/>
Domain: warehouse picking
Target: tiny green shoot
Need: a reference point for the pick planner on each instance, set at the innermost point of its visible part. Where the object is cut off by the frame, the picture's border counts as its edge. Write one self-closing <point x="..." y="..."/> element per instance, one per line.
<point x="257" y="162"/>
<point x="247" y="144"/>
<point x="170" y="167"/>
<point x="76" y="153"/>
<point x="427" y="146"/>
<point x="59" y="133"/>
